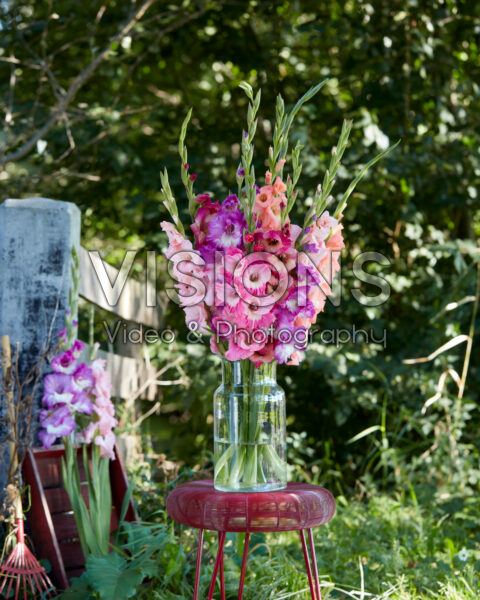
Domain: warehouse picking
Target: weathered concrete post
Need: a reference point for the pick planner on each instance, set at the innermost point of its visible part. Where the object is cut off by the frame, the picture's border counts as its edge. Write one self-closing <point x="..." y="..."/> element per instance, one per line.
<point x="36" y="237"/>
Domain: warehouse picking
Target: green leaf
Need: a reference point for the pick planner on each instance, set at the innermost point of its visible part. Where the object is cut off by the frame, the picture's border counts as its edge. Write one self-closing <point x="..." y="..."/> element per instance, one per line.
<point x="305" y="98"/>
<point x="364" y="433"/>
<point x="111" y="578"/>
<point x="247" y="88"/>
<point x="360" y="175"/>
<point x="80" y="589"/>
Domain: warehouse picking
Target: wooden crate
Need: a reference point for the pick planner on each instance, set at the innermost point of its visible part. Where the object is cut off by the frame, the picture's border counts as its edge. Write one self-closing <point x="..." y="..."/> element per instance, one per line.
<point x="51" y="519"/>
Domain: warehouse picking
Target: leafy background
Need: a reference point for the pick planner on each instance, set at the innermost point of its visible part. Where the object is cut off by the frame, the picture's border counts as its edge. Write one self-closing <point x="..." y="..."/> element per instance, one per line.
<point x="406" y="480"/>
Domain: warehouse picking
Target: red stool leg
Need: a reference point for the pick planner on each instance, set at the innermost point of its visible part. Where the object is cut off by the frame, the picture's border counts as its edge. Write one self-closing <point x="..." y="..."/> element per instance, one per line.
<point x="307" y="564"/>
<point x="244" y="566"/>
<point x="199" y="564"/>
<point x="314" y="561"/>
<point x="217" y="564"/>
<point x="222" y="575"/>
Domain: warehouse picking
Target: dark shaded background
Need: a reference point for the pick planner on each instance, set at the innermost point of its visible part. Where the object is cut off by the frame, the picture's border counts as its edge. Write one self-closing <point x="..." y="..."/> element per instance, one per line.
<point x="406" y="70"/>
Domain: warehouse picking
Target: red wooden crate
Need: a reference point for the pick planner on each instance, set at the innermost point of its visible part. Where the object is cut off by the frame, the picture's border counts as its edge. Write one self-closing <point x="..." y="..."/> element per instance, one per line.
<point x="50" y="518"/>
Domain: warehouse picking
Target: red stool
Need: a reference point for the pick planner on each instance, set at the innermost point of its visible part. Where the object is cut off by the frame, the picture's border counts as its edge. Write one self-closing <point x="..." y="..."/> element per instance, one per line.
<point x="299" y="507"/>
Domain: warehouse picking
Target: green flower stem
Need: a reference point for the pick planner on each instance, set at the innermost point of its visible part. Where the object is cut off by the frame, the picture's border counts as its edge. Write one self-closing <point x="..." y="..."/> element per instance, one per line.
<point x="222" y="463"/>
<point x="237" y="466"/>
<point x="282" y="127"/>
<point x="70" y="318"/>
<point x="186" y="180"/>
<point x="169" y="201"/>
<point x="242" y="463"/>
<point x="247" y="155"/>
<point x="93" y="522"/>
<point x="322" y="195"/>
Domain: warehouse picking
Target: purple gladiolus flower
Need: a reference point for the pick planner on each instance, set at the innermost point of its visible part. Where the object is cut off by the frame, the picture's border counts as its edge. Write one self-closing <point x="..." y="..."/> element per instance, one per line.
<point x="46" y="439"/>
<point x="82" y="403"/>
<point x="230" y="203"/>
<point x="226" y="229"/>
<point x="83" y="377"/>
<point x="77" y="348"/>
<point x="283" y="352"/>
<point x="207" y="251"/>
<point x="57" y="423"/>
<point x="57" y="389"/>
<point x="64" y="363"/>
<point x="285" y="318"/>
<point x="241" y="172"/>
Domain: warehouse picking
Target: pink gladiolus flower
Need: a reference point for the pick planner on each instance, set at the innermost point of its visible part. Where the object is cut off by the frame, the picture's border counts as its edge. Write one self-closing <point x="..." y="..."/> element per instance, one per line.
<point x="279" y="188"/>
<point x="265" y="355"/>
<point x="255" y="277"/>
<point x="89" y="432"/>
<point x="325" y="223"/>
<point x="205" y="214"/>
<point x="275" y="242"/>
<point x="196" y="318"/>
<point x="202" y="198"/>
<point x="267" y="206"/>
<point x="176" y="240"/>
<point x="242" y="346"/>
<point x="295" y="358"/>
<point x="232" y="257"/>
<point x="103" y="385"/>
<point x="254" y="316"/>
<point x="214" y="345"/>
<point x="106" y="444"/>
<point x="335" y="241"/>
<point x="106" y="422"/>
<point x="289" y="258"/>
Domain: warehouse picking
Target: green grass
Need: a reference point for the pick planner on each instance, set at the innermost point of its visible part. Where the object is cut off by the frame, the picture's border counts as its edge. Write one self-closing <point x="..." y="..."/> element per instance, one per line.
<point x="384" y="548"/>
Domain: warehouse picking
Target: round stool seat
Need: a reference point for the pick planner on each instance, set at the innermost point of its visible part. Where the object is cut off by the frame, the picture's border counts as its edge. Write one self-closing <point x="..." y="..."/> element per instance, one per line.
<point x="298" y="506"/>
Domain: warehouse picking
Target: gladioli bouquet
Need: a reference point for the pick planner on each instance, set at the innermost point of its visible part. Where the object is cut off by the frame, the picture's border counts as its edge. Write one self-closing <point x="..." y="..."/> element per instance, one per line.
<point x="78" y="409"/>
<point x="249" y="265"/>
<point x="250" y="278"/>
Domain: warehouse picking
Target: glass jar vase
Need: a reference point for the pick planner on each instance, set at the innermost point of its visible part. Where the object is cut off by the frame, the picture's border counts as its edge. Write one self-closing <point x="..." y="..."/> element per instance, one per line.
<point x="249" y="429"/>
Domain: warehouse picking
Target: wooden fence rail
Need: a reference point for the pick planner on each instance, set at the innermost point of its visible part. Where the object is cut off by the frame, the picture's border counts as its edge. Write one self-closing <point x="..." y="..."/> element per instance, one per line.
<point x="132" y="301"/>
<point x="128" y="374"/>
